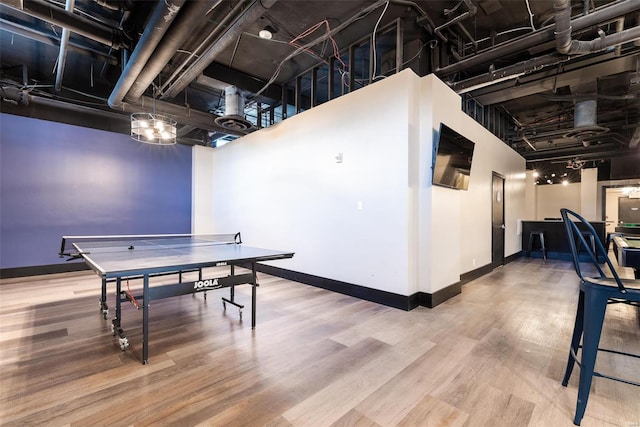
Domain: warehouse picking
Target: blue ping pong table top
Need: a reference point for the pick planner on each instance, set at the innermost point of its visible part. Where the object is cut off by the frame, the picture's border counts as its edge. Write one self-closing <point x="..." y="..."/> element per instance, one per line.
<point x="118" y="259"/>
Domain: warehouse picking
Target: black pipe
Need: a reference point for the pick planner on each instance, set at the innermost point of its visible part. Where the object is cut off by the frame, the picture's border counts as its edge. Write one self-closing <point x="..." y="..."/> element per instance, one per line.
<point x="159" y="22"/>
<point x="51" y="40"/>
<point x="116" y="4"/>
<point x="540" y="36"/>
<point x="255" y="11"/>
<point x="192" y="13"/>
<point x="78" y="24"/>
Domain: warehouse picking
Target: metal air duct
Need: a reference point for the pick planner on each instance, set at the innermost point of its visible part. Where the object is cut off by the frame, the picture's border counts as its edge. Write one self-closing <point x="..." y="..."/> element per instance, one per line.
<point x="541" y="36"/>
<point x="233" y="118"/>
<point x="252" y="14"/>
<point x="76" y="24"/>
<point x="565" y="45"/>
<point x="159" y="22"/>
<point x="585" y="121"/>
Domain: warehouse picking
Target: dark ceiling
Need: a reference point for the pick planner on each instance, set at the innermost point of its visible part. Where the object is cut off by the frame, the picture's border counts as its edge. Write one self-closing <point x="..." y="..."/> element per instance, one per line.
<point x="557" y="80"/>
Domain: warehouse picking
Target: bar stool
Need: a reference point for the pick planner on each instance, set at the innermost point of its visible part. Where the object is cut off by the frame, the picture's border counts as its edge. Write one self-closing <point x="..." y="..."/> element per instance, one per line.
<point x="590" y="238"/>
<point x="540" y="235"/>
<point x="596" y="292"/>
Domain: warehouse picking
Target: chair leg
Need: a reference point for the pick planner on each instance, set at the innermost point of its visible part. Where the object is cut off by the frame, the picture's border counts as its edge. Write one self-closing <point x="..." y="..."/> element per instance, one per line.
<point x="596" y="304"/>
<point x="575" y="339"/>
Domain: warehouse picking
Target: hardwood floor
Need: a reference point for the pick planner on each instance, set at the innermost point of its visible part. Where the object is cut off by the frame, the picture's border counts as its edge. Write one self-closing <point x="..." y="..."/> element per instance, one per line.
<point x="492" y="356"/>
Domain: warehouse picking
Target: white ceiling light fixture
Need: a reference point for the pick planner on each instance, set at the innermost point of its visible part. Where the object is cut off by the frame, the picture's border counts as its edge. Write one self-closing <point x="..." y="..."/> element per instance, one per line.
<point x="152" y="128"/>
<point x="265" y="34"/>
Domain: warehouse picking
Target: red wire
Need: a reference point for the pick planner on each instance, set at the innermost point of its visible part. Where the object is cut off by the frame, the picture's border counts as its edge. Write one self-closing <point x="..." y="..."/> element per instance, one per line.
<point x="336" y="51"/>
<point x="133" y="299"/>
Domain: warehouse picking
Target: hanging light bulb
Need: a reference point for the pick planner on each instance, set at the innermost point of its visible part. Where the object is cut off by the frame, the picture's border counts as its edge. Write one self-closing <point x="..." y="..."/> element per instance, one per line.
<point x="153" y="128"/>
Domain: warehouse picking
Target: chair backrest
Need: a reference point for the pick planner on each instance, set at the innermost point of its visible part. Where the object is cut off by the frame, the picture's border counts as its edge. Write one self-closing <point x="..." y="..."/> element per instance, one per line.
<point x="574" y="233"/>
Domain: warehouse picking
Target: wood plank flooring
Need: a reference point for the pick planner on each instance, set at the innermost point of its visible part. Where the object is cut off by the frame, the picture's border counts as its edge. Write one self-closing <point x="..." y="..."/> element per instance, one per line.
<point x="492" y="356"/>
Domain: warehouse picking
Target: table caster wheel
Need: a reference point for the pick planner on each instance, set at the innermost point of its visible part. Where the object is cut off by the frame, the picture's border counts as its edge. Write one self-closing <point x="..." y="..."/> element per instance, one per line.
<point x="124" y="343"/>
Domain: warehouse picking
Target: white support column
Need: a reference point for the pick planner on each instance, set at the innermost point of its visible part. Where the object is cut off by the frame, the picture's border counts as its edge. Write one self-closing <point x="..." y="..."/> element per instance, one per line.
<point x="589" y="194"/>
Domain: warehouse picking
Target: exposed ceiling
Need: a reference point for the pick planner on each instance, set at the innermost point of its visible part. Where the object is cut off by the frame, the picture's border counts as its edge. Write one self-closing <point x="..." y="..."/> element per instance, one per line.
<point x="558" y="80"/>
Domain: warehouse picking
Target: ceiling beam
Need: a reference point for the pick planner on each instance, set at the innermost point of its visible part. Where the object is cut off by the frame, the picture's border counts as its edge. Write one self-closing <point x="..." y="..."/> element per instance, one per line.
<point x="552" y="79"/>
<point x="593" y="152"/>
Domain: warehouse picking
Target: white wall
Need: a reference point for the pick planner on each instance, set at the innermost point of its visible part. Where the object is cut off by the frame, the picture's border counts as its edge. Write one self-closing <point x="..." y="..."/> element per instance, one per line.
<point x="582" y="197"/>
<point x="611" y="216"/>
<point x="202" y="186"/>
<point x="589" y="194"/>
<point x="282" y="188"/>
<point x="531" y="197"/>
<point x="460" y="222"/>
<point x="551" y="198"/>
<point x="603" y="185"/>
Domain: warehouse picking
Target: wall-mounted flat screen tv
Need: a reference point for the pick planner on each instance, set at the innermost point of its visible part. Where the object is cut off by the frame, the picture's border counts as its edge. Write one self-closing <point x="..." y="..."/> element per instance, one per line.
<point x="452" y="156"/>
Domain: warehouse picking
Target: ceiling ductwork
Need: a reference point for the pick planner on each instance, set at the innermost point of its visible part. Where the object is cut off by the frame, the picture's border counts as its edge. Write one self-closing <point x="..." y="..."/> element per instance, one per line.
<point x="182" y="27"/>
<point x="161" y="18"/>
<point x="565" y="85"/>
<point x="233" y="118"/>
<point x="540" y="36"/>
<point x="585" y="121"/>
<point x="565" y="45"/>
<point x="252" y="14"/>
<point x="116" y="4"/>
<point x="76" y="24"/>
<point x="14" y="95"/>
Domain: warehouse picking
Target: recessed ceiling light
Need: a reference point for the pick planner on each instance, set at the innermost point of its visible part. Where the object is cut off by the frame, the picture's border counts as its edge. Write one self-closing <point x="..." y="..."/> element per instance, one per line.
<point x="265" y="33"/>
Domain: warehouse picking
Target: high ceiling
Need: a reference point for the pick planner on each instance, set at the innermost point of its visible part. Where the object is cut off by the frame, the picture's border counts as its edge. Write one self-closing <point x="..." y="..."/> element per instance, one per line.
<point x="558" y="80"/>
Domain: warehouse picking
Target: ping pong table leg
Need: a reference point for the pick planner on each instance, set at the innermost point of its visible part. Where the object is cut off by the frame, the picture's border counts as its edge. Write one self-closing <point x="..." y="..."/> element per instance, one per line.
<point x="253" y="295"/>
<point x="115" y="323"/>
<point x="232" y="296"/>
<point x="116" y="327"/>
<point x="145" y="321"/>
<point x="232" y="288"/>
<point x="104" y="308"/>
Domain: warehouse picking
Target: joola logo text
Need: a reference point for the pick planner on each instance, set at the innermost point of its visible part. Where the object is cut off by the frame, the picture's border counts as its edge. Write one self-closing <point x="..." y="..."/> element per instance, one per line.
<point x="206" y="284"/>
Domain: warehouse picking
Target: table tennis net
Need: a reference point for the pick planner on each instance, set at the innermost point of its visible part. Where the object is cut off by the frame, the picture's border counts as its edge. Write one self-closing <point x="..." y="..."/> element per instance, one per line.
<point x="74" y="245"/>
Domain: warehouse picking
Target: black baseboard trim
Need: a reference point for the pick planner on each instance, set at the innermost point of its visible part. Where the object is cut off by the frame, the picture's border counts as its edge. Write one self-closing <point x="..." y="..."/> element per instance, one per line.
<point x="389" y="299"/>
<point x="513" y="257"/>
<point x="474" y="274"/>
<point x="440" y="296"/>
<point x="39" y="270"/>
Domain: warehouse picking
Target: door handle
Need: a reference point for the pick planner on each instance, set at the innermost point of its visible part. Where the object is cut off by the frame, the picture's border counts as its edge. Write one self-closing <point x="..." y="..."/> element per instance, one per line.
<point x="502" y="226"/>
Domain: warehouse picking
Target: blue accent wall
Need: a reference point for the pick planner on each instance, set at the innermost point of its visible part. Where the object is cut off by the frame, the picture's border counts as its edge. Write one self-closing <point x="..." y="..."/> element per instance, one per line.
<point x="58" y="179"/>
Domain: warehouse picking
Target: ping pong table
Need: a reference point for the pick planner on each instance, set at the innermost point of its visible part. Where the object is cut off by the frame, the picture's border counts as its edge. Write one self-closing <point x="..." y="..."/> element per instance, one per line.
<point x="133" y="257"/>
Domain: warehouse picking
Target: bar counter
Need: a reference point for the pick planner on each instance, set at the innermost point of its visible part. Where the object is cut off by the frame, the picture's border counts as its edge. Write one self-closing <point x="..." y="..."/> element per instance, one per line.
<point x="555" y="238"/>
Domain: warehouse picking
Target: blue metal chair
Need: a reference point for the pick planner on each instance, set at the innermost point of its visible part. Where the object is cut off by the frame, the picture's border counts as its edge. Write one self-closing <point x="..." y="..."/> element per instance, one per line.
<point x="595" y="294"/>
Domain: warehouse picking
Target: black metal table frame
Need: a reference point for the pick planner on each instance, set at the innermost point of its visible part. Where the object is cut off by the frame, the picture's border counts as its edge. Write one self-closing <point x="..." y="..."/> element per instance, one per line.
<point x="624" y="258"/>
<point x="153" y="293"/>
<point x="120" y="271"/>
